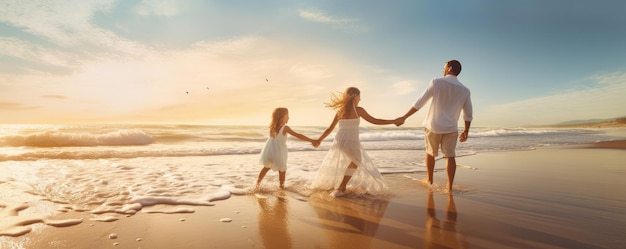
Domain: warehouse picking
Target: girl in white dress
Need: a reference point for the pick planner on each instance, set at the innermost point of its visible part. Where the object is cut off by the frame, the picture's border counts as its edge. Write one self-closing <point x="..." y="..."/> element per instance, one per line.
<point x="346" y="161"/>
<point x="274" y="153"/>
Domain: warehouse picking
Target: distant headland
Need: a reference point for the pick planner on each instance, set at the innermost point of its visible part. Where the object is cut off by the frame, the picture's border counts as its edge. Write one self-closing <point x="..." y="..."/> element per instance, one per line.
<point x="605" y="123"/>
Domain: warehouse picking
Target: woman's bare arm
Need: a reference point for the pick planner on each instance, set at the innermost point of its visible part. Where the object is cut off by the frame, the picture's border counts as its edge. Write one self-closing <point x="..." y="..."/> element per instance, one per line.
<point x="329" y="129"/>
<point x="363" y="113"/>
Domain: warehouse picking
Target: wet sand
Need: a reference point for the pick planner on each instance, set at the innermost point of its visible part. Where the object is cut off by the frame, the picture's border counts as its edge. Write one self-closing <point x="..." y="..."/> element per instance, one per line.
<point x="546" y="198"/>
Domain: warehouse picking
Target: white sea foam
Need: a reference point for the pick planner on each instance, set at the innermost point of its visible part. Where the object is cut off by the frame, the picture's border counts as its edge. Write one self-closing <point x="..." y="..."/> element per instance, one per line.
<point x="106" y="188"/>
<point x="501" y="132"/>
<point x="391" y="135"/>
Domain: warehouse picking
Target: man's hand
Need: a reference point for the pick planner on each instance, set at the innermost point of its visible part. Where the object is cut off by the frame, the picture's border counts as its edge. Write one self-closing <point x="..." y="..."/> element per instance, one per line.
<point x="463" y="136"/>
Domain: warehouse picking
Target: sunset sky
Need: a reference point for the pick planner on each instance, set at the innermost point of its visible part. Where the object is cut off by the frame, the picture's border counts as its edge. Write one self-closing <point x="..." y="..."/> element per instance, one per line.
<point x="232" y="62"/>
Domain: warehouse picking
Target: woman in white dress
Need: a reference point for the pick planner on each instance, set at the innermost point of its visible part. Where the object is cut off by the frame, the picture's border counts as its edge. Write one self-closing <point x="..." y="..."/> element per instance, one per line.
<point x="346" y="161"/>
<point x="274" y="153"/>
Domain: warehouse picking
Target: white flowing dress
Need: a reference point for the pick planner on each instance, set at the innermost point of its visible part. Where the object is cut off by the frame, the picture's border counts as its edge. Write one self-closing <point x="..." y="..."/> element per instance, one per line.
<point x="274" y="153"/>
<point x="347" y="148"/>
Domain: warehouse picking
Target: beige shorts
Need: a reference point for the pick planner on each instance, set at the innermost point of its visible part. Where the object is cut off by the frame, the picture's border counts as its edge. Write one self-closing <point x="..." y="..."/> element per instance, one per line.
<point x="447" y="143"/>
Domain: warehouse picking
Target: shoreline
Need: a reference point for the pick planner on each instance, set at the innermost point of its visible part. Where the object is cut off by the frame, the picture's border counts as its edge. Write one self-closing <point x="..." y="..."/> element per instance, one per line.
<point x="614" y="144"/>
<point x="542" y="198"/>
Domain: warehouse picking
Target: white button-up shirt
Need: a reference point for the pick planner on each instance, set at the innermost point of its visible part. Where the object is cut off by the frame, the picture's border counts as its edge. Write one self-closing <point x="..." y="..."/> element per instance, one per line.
<point x="449" y="96"/>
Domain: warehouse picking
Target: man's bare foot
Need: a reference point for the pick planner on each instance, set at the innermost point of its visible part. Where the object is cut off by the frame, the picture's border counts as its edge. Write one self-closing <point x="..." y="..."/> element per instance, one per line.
<point x="449" y="187"/>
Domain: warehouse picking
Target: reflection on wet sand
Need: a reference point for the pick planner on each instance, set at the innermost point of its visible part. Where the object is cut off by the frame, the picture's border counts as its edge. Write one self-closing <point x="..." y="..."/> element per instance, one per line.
<point x="273" y="221"/>
<point x="358" y="216"/>
<point x="442" y="234"/>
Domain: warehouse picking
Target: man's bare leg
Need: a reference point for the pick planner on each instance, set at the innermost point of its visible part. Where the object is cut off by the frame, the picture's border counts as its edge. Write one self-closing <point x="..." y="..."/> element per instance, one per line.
<point x="430" y="166"/>
<point x="451" y="170"/>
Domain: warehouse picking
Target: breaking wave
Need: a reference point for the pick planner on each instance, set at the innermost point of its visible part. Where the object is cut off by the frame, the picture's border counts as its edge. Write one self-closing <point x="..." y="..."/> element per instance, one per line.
<point x="72" y="139"/>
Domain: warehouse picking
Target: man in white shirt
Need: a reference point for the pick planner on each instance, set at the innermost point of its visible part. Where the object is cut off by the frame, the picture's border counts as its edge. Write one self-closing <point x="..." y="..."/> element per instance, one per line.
<point x="449" y="97"/>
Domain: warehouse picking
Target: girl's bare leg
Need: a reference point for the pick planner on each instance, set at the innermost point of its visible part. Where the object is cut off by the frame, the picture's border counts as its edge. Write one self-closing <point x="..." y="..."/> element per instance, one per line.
<point x="281" y="178"/>
<point x="261" y="175"/>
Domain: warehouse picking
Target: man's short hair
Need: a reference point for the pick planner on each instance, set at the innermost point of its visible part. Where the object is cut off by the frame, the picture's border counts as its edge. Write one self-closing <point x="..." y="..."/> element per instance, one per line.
<point x="455" y="66"/>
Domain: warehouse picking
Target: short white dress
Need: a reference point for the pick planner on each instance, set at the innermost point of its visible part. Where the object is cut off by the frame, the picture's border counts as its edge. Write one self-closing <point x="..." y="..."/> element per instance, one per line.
<point x="274" y="153"/>
<point x="347" y="148"/>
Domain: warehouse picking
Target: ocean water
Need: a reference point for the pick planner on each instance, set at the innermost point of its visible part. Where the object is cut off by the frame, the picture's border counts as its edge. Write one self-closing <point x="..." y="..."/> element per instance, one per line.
<point x="112" y="170"/>
<point x="81" y="142"/>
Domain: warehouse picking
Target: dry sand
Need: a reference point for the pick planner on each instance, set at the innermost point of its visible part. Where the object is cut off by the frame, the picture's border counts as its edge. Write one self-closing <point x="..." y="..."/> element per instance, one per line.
<point x="545" y="198"/>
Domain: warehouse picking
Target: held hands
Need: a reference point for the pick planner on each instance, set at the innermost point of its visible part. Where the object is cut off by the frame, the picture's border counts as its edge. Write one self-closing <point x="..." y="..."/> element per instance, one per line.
<point x="399" y="121"/>
<point x="315" y="143"/>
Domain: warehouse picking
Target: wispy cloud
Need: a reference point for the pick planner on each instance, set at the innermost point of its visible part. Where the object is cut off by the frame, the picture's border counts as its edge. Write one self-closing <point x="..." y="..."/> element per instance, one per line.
<point x="53" y="96"/>
<point x="404" y="87"/>
<point x="158" y="8"/>
<point x="603" y="99"/>
<point x="61" y="22"/>
<point x="322" y="17"/>
<point x="13" y="47"/>
<point x="139" y="86"/>
<point x="311" y="72"/>
<point x="14" y="106"/>
<point x="66" y="24"/>
<point x="345" y="24"/>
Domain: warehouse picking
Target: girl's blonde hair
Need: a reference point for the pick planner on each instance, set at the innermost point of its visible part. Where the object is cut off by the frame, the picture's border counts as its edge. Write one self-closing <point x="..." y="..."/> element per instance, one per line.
<point x="277" y="117"/>
<point x="342" y="104"/>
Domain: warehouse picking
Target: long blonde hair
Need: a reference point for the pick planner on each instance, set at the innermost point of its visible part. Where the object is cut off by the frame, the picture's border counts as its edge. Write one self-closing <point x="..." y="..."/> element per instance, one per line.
<point x="277" y="117"/>
<point x="342" y="104"/>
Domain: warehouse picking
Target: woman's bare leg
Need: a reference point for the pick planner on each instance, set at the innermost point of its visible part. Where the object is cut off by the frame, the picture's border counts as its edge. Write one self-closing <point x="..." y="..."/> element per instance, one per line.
<point x="347" y="176"/>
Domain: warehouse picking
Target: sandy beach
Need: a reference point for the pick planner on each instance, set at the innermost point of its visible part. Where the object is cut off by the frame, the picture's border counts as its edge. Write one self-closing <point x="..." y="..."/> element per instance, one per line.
<point x="557" y="197"/>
